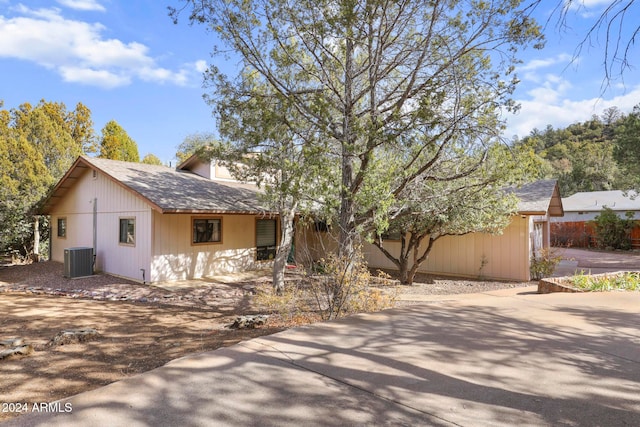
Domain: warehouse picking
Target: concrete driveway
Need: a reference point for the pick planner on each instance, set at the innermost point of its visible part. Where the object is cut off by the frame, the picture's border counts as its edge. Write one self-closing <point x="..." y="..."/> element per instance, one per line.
<point x="508" y="358"/>
<point x="595" y="262"/>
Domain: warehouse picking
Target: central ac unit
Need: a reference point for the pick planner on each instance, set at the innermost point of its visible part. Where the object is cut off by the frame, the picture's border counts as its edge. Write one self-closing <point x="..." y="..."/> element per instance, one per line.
<point x="78" y="262"/>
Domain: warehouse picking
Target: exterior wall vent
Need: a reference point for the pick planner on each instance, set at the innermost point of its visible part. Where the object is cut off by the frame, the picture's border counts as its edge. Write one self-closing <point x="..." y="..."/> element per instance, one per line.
<point x="78" y="262"/>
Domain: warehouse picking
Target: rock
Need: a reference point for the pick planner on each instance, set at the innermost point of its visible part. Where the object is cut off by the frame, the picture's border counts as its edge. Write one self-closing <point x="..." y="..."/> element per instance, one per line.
<point x="12" y="342"/>
<point x="14" y="346"/>
<point x="70" y="336"/>
<point x="249" y="322"/>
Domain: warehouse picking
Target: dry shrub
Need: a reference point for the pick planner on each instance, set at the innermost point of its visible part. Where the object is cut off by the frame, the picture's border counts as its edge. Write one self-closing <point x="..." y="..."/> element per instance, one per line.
<point x="346" y="288"/>
<point x="334" y="288"/>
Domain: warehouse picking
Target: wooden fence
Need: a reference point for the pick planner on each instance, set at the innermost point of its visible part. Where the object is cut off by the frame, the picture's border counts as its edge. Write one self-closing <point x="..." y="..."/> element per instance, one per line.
<point x="582" y="235"/>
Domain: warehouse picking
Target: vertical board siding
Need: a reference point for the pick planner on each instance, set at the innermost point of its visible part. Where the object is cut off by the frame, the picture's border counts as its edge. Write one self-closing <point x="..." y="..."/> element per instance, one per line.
<point x="507" y="255"/>
<point x="176" y="258"/>
<point x="114" y="202"/>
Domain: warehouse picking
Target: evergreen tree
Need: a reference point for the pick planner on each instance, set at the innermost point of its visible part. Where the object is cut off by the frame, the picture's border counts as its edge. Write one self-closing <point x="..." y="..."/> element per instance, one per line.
<point x="116" y="144"/>
<point x="384" y="90"/>
<point x="37" y="146"/>
<point x="151" y="159"/>
<point x="627" y="149"/>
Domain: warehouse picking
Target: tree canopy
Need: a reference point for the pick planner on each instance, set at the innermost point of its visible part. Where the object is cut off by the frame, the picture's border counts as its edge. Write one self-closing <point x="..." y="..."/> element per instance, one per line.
<point x="151" y="159"/>
<point x="116" y="144"/>
<point x="37" y="146"/>
<point x="387" y="92"/>
<point x="192" y="143"/>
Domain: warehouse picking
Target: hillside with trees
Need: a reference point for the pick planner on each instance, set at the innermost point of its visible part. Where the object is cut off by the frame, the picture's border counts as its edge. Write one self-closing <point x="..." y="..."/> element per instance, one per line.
<point x="599" y="154"/>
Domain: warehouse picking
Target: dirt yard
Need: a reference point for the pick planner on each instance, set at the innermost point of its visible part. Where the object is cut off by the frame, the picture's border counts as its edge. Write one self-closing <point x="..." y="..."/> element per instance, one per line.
<point x="140" y="327"/>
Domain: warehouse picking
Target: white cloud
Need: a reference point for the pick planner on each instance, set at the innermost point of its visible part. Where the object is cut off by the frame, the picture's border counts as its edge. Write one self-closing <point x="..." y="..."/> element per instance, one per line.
<point x="587" y="8"/>
<point x="78" y="51"/>
<point x="101" y="78"/>
<point x="551" y="107"/>
<point x="201" y="66"/>
<point x="536" y="64"/>
<point x="88" y="5"/>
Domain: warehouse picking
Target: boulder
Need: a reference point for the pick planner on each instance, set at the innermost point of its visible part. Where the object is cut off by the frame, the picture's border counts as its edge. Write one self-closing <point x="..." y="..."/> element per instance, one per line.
<point x="250" y="321"/>
<point x="71" y="336"/>
<point x="14" y="347"/>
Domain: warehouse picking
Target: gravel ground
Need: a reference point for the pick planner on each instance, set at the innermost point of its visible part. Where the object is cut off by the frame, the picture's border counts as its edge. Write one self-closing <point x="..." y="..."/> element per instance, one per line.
<point x="46" y="278"/>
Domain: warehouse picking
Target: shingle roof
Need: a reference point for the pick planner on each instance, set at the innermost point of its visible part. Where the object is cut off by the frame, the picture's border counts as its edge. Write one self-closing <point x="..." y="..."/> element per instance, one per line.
<point x="166" y="189"/>
<point x="539" y="198"/>
<point x="594" y="201"/>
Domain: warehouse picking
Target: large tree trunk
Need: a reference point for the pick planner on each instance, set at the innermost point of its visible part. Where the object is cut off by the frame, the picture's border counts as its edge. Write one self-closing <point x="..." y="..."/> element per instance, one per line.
<point x="418" y="260"/>
<point x="286" y="239"/>
<point x="406" y="271"/>
<point x="348" y="235"/>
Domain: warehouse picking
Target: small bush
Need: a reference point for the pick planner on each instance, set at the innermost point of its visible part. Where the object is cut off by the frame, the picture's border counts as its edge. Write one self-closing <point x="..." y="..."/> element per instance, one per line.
<point x="344" y="288"/>
<point x="290" y="304"/>
<point x="333" y="288"/>
<point x="613" y="232"/>
<point x="544" y="264"/>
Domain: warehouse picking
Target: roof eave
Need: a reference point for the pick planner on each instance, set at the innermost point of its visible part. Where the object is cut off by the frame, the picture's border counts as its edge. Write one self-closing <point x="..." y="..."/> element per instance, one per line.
<point x="216" y="212"/>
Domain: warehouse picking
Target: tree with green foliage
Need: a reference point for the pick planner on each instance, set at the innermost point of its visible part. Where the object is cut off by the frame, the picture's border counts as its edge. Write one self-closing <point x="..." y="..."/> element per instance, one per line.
<point x="582" y="155"/>
<point x="151" y="159"/>
<point x="37" y="146"/>
<point x="478" y="201"/>
<point x="386" y="89"/>
<point x="116" y="144"/>
<point x="289" y="167"/>
<point x="192" y="143"/>
<point x="611" y="231"/>
<point x="627" y="149"/>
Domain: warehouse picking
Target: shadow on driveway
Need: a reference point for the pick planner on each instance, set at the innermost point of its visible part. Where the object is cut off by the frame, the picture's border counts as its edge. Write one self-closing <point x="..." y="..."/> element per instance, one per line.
<point x="498" y="359"/>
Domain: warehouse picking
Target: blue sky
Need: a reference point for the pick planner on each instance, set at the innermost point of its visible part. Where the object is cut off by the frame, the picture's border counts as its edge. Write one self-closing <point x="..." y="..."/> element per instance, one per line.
<point x="127" y="61"/>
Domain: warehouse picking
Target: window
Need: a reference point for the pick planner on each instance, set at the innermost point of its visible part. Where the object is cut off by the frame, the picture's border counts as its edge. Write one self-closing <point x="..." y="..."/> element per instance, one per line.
<point x="128" y="231"/>
<point x="392" y="235"/>
<point x="207" y="230"/>
<point x="62" y="227"/>
<point x="321" y="226"/>
<point x="266" y="239"/>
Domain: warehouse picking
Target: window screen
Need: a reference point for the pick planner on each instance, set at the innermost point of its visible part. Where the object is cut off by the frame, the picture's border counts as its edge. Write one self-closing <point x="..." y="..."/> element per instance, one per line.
<point x="207" y="230"/>
<point x="62" y="227"/>
<point x="128" y="231"/>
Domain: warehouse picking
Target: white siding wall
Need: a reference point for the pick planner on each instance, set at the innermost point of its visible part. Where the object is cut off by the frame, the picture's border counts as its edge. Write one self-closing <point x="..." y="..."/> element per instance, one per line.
<point x="113" y="202"/>
<point x="176" y="258"/>
<point x="211" y="170"/>
<point x="203" y="169"/>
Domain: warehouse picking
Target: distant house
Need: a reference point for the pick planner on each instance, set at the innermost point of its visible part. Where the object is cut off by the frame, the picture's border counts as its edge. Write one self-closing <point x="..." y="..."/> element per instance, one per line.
<point x="574" y="229"/>
<point x="153" y="223"/>
<point x="506" y="256"/>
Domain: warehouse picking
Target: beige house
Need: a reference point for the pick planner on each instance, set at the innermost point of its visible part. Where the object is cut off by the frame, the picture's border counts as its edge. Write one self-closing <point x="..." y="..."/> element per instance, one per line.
<point x="153" y="223"/>
<point x="504" y="257"/>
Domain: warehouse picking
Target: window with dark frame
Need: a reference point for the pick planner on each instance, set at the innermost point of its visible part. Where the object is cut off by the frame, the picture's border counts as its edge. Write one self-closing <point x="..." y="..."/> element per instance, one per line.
<point x="392" y="235"/>
<point x="128" y="231"/>
<point x="207" y="230"/>
<point x="62" y="227"/>
<point x="266" y="239"/>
